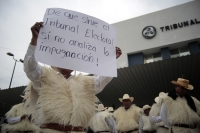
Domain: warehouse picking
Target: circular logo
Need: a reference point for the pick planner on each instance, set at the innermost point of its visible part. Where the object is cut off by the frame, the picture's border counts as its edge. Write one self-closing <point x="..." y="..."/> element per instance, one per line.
<point x="149" y="32"/>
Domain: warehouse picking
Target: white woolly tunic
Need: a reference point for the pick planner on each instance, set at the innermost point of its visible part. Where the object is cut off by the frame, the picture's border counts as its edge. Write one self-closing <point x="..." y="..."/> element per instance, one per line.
<point x="156" y="121"/>
<point x="127" y="119"/>
<point x="21" y="125"/>
<point x="144" y="123"/>
<point x="57" y="100"/>
<point x="102" y="121"/>
<point x="178" y="112"/>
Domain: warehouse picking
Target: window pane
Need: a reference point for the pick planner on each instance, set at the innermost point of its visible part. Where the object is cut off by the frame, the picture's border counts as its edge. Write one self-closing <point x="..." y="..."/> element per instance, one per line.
<point x="184" y="49"/>
<point x="149" y="56"/>
<point x="184" y="53"/>
<point x="148" y="61"/>
<point x="174" y="52"/>
<point x="156" y="55"/>
<point x="175" y="55"/>
<point x="157" y="59"/>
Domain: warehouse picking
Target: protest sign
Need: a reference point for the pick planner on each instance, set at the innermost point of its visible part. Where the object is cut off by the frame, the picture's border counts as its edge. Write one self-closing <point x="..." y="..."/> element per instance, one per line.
<point x="77" y="41"/>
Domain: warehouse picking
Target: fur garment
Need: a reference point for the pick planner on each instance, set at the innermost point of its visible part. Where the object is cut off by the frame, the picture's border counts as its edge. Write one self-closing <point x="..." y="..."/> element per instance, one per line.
<point x="184" y="130"/>
<point x="23" y="125"/>
<point x="162" y="130"/>
<point x="98" y="122"/>
<point x="180" y="113"/>
<point x="146" y="123"/>
<point x="55" y="131"/>
<point x="66" y="102"/>
<point x="155" y="111"/>
<point x="127" y="119"/>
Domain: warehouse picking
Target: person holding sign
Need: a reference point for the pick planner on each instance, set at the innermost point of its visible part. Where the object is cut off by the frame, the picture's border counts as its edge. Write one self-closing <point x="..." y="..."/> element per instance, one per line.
<point x="64" y="103"/>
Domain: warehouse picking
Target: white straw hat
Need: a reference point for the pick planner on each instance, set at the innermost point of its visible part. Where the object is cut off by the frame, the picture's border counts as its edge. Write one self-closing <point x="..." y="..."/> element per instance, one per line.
<point x="110" y="109"/>
<point x="146" y="107"/>
<point x="184" y="83"/>
<point x="101" y="107"/>
<point x="126" y="96"/>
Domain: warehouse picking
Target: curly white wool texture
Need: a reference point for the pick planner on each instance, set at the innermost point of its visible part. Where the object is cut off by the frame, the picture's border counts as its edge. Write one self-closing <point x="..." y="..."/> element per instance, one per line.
<point x="64" y="102"/>
<point x="147" y="125"/>
<point x="155" y="111"/>
<point x="127" y="119"/>
<point x="98" y="122"/>
<point x="180" y="113"/>
<point x="23" y="125"/>
<point x="162" y="130"/>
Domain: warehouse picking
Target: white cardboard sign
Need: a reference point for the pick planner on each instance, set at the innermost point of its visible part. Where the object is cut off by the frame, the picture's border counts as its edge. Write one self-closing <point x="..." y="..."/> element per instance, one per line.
<point x="76" y="41"/>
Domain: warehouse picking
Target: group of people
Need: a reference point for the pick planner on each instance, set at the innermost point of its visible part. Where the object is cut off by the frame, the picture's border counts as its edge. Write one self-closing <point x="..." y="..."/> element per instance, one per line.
<point x="57" y="102"/>
<point x="173" y="112"/>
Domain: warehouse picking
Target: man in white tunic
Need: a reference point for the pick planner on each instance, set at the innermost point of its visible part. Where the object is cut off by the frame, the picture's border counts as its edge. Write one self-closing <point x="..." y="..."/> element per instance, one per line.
<point x="179" y="111"/>
<point x="63" y="103"/>
<point x="144" y="120"/>
<point x="127" y="117"/>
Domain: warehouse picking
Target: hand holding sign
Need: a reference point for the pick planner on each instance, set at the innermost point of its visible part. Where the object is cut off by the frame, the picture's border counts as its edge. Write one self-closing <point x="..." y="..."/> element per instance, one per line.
<point x="118" y="52"/>
<point x="76" y="41"/>
<point x="35" y="31"/>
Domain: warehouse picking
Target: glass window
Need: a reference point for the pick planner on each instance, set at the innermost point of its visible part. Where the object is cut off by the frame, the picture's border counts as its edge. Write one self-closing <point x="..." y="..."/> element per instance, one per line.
<point x="174" y="53"/>
<point x="148" y="58"/>
<point x="157" y="56"/>
<point x="184" y="51"/>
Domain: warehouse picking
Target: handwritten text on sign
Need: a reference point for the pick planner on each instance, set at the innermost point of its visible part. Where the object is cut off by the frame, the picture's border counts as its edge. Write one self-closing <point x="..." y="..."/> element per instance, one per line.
<point x="77" y="41"/>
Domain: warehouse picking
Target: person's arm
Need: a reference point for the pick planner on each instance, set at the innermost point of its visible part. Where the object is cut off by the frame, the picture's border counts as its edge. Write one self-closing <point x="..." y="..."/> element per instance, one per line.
<point x="164" y="115"/>
<point x="102" y="81"/>
<point x="31" y="67"/>
<point x="111" y="123"/>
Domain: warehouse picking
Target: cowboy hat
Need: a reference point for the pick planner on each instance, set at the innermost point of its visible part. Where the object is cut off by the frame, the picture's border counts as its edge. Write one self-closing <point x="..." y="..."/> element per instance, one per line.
<point x="184" y="83"/>
<point x="110" y="109"/>
<point x="146" y="107"/>
<point x="126" y="96"/>
<point x="101" y="107"/>
<point x="162" y="94"/>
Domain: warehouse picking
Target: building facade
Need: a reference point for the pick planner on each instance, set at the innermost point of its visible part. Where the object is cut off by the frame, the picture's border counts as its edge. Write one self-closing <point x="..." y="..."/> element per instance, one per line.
<point x="161" y="35"/>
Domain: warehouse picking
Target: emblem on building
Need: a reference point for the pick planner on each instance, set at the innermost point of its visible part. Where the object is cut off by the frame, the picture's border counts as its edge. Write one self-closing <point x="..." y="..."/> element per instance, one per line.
<point x="149" y="32"/>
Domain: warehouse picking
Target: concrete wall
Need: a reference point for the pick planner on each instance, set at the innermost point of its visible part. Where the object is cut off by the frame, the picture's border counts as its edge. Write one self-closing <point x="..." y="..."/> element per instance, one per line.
<point x="131" y="40"/>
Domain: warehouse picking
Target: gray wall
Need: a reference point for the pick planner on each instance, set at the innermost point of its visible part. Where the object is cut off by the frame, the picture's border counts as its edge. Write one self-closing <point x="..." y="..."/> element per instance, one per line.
<point x="129" y="32"/>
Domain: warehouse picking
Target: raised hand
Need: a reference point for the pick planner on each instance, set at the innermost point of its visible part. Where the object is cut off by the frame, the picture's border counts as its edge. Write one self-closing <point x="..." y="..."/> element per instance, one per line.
<point x="118" y="52"/>
<point x="35" y="32"/>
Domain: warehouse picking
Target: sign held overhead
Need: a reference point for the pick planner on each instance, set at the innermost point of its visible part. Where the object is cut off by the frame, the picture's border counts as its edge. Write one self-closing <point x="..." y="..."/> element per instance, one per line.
<point x="76" y="41"/>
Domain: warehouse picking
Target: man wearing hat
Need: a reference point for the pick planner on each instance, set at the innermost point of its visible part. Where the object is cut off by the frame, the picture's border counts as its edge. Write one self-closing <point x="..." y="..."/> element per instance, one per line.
<point x="154" y="114"/>
<point x="63" y="103"/>
<point x="179" y="111"/>
<point x="102" y="121"/>
<point x="127" y="117"/>
<point x="144" y="121"/>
